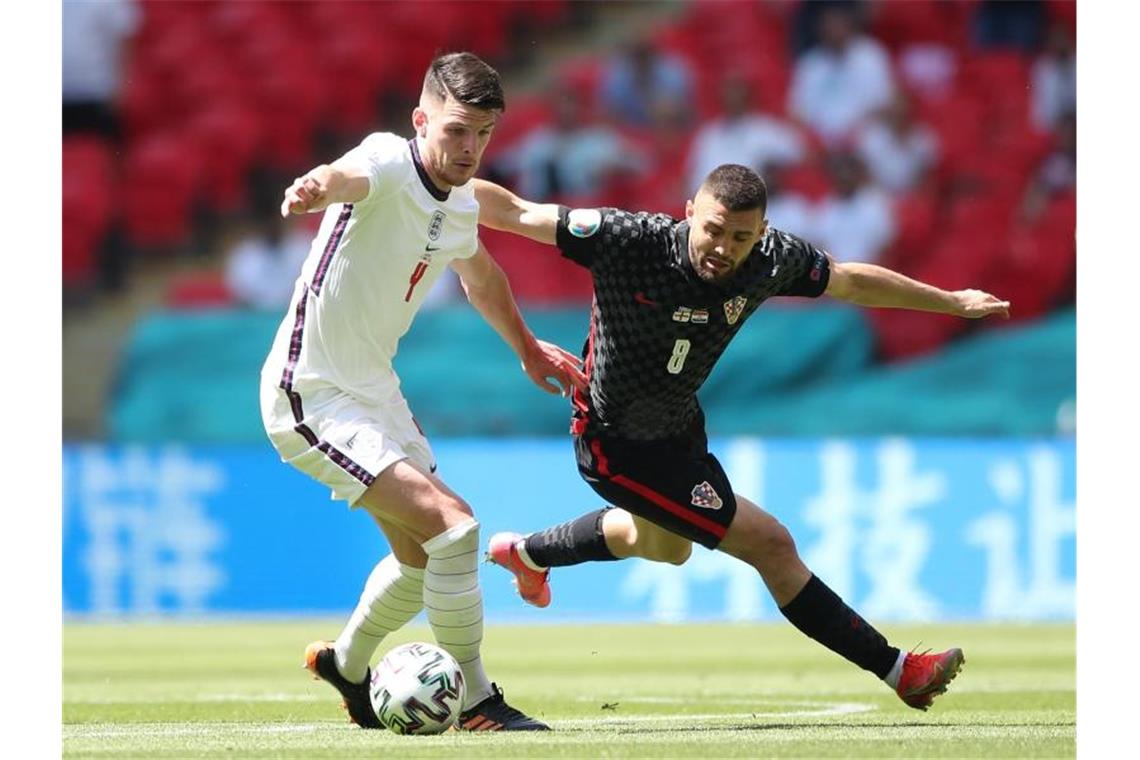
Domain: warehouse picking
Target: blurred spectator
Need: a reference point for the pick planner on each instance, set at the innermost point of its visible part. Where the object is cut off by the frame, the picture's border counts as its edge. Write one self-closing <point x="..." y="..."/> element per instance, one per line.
<point x="94" y="41"/>
<point x="1009" y="24"/>
<point x="642" y="81"/>
<point x="788" y="211"/>
<point x="836" y="84"/>
<point x="897" y="150"/>
<point x="569" y="156"/>
<point x="1057" y="173"/>
<point x="1054" y="79"/>
<point x="741" y="135"/>
<point x="928" y="70"/>
<point x="855" y="222"/>
<point x="263" y="267"/>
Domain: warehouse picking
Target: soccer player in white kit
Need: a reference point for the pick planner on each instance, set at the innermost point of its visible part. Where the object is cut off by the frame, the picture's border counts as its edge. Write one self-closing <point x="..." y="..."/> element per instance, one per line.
<point x="398" y="212"/>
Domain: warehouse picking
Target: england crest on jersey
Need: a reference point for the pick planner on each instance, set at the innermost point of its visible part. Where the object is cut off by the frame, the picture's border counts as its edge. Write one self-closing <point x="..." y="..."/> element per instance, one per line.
<point x="734" y="308"/>
<point x="705" y="496"/>
<point x="436" y="226"/>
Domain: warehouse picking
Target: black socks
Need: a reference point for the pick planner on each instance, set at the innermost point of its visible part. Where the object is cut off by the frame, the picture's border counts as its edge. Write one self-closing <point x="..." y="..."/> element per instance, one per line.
<point x="571" y="543"/>
<point x="821" y="614"/>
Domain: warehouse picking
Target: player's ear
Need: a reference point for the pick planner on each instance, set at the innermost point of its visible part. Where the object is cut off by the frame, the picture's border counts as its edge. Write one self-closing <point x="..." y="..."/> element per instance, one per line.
<point x="419" y="121"/>
<point x="689" y="210"/>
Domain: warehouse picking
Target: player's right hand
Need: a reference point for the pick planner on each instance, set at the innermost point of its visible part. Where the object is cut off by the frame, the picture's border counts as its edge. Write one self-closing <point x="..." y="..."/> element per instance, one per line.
<point x="304" y="195"/>
<point x="545" y="361"/>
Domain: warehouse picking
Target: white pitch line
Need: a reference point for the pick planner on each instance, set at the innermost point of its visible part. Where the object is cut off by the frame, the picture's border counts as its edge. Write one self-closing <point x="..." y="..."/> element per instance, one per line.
<point x="150" y="730"/>
<point x="104" y="731"/>
<point x="826" y="709"/>
<point x="262" y="697"/>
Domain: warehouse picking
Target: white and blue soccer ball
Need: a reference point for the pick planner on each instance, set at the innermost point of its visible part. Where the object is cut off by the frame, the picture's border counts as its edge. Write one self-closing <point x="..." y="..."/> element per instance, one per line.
<point x="417" y="689"/>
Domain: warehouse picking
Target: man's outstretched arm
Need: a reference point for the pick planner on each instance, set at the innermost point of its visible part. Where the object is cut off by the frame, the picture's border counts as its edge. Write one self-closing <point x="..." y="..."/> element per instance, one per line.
<point x="871" y="285"/>
<point x="342" y="181"/>
<point x="489" y="292"/>
<point x="500" y="209"/>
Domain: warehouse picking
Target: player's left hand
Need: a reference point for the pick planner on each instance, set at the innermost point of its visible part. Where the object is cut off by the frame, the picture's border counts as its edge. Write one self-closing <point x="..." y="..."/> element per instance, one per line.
<point x="545" y="361"/>
<point x="974" y="304"/>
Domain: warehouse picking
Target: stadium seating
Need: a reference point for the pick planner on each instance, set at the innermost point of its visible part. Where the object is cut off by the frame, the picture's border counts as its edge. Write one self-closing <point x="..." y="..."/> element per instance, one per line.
<point x="215" y="91"/>
<point x="88" y="206"/>
<point x="161" y="181"/>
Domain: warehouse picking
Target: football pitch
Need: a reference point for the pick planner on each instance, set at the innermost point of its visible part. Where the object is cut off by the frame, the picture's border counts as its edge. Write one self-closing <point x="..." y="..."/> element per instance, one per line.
<point x="728" y="690"/>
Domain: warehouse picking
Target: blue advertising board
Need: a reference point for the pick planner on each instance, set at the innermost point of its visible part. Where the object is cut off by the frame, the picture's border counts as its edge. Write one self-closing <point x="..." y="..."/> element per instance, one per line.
<point x="903" y="529"/>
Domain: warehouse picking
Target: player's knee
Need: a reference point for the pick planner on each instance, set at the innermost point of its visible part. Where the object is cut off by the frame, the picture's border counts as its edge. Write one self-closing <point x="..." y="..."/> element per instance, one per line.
<point x="454" y="511"/>
<point x="777" y="542"/>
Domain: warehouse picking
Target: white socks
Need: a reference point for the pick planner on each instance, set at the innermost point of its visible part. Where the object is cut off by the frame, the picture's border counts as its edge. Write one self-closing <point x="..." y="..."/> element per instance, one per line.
<point x="454" y="602"/>
<point x="892" y="678"/>
<point x="392" y="596"/>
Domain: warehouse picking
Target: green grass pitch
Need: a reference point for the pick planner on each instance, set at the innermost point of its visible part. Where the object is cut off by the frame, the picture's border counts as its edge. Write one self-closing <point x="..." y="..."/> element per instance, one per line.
<point x="238" y="690"/>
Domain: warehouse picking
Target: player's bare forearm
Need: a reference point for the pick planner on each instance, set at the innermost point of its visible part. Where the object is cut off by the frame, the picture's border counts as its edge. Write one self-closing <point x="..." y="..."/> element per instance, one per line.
<point x="500" y="209"/>
<point x="493" y="299"/>
<point x="323" y="186"/>
<point x="871" y="285"/>
<point x="489" y="292"/>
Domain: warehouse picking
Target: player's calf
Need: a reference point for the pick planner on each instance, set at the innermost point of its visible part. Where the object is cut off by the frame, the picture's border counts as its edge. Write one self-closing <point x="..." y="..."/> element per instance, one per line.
<point x="628" y="535"/>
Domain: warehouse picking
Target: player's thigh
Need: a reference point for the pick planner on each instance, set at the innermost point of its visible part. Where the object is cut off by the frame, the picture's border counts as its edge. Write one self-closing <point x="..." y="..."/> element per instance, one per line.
<point x="332" y="437"/>
<point x="416" y="501"/>
<point x="681" y="491"/>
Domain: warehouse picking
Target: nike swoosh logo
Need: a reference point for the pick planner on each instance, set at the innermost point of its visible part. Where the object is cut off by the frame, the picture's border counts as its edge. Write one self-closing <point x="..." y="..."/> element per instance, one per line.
<point x="642" y="298"/>
<point x="429" y="248"/>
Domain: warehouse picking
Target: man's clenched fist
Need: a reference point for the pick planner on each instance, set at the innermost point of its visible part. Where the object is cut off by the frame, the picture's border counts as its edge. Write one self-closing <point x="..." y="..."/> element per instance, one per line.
<point x="304" y="195"/>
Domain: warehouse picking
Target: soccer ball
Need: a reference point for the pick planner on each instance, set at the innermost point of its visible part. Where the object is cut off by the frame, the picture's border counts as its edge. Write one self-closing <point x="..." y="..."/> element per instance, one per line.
<point x="417" y="689"/>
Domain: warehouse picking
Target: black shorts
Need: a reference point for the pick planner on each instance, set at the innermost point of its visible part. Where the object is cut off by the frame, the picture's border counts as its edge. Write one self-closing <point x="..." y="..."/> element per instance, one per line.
<point x="675" y="483"/>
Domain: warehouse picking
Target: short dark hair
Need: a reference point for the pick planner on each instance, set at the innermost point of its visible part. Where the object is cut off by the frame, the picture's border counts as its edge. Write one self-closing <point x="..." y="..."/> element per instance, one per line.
<point x="467" y="79"/>
<point x="737" y="188"/>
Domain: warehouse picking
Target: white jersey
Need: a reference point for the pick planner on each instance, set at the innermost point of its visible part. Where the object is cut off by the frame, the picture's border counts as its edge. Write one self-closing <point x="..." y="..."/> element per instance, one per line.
<point x="369" y="269"/>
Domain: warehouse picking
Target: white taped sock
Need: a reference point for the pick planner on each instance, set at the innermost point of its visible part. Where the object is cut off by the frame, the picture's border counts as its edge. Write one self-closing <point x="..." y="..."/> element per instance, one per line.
<point x="892" y="677"/>
<point x="520" y="547"/>
<point x="392" y="596"/>
<point x="454" y="602"/>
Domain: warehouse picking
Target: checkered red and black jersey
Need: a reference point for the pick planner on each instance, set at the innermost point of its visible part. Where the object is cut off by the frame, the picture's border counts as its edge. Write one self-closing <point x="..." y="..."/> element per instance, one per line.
<point x="656" y="328"/>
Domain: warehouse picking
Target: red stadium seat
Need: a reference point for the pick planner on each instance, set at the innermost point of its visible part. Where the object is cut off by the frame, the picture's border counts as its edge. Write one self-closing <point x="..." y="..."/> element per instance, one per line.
<point x="160" y="188"/>
<point x="88" y="206"/>
<point x="206" y="290"/>
<point x="1063" y="12"/>
<point x="521" y="117"/>
<point x="898" y="24"/>
<point x="961" y="258"/>
<point x="916" y="219"/>
<point x="291" y="99"/>
<point x="538" y="274"/>
<point x="227" y="137"/>
<point x="1038" y="269"/>
<point x="807" y="179"/>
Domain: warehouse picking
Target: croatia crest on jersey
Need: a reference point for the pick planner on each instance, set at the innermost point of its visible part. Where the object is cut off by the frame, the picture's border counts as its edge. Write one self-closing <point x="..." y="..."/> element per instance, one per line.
<point x="734" y="308"/>
<point x="705" y="496"/>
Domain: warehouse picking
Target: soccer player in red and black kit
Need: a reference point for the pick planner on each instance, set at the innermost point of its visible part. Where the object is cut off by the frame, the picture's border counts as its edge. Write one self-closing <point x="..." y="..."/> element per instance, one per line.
<point x="668" y="297"/>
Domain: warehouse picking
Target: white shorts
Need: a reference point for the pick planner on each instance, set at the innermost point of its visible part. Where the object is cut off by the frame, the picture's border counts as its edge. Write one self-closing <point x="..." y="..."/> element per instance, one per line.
<point x="339" y="440"/>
